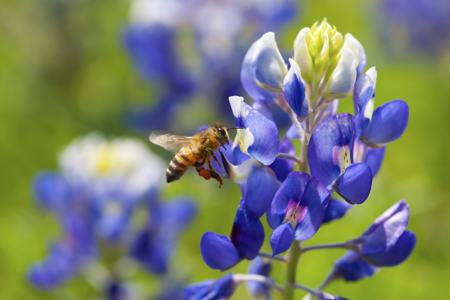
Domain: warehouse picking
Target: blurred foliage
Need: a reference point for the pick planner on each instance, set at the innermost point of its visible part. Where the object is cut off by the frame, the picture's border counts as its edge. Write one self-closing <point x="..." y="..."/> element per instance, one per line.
<point x="64" y="72"/>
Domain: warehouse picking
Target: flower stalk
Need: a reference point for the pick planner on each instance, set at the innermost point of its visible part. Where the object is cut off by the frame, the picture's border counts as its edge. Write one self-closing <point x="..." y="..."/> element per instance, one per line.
<point x="291" y="271"/>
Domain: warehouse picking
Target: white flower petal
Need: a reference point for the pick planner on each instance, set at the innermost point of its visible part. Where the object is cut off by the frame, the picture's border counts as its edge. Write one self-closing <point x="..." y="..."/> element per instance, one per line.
<point x="301" y="53"/>
<point x="344" y="76"/>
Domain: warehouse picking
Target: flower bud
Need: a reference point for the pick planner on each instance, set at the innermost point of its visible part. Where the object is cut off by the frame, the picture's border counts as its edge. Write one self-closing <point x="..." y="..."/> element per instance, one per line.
<point x="328" y="62"/>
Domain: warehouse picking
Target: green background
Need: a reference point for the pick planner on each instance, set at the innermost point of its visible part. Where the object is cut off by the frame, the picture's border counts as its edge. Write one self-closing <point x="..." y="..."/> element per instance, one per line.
<point x="64" y="72"/>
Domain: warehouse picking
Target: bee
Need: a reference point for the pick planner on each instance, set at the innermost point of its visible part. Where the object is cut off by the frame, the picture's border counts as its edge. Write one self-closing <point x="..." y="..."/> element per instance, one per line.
<point x="194" y="151"/>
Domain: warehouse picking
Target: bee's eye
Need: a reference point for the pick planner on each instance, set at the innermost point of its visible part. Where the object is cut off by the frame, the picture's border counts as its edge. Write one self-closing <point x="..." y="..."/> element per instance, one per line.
<point x="221" y="131"/>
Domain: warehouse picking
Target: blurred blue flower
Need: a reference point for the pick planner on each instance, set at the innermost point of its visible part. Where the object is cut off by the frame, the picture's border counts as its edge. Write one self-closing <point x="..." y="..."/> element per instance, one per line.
<point x="418" y="26"/>
<point x="67" y="256"/>
<point x="100" y="187"/>
<point x="153" y="245"/>
<point x="116" y="290"/>
<point x="207" y="66"/>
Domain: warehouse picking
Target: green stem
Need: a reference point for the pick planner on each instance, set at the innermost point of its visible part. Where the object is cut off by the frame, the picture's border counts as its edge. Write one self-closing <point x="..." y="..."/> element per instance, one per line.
<point x="271" y="257"/>
<point x="346" y="245"/>
<point x="291" y="272"/>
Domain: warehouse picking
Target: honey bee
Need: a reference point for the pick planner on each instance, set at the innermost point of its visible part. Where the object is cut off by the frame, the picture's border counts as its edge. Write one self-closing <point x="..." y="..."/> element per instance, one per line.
<point x="197" y="151"/>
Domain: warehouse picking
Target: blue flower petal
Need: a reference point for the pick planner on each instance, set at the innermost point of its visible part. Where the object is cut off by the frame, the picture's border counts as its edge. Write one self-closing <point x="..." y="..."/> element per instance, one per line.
<point x="260" y="188"/>
<point x="398" y="253"/>
<point x="59" y="266"/>
<point x="364" y="90"/>
<point x="150" y="60"/>
<point x="223" y="288"/>
<point x="151" y="251"/>
<point x="153" y="245"/>
<point x="218" y="251"/>
<point x="351" y="267"/>
<point x="116" y="290"/>
<point x="315" y="199"/>
<point x="388" y="123"/>
<point x="374" y="158"/>
<point x="294" y="91"/>
<point x="282" y="167"/>
<point x="247" y="234"/>
<point x="159" y="114"/>
<point x="386" y="229"/>
<point x="335" y="131"/>
<point x="259" y="135"/>
<point x="291" y="189"/>
<point x="51" y="190"/>
<point x="113" y="219"/>
<point x="219" y="289"/>
<point x="263" y="69"/>
<point x="335" y="210"/>
<point x="282" y="238"/>
<point x="355" y="184"/>
<point x="174" y="216"/>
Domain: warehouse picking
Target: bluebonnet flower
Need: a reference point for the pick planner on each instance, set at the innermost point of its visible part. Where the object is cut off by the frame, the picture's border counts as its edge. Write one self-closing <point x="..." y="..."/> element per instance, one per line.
<point x="330" y="159"/>
<point x="338" y="156"/>
<point x="100" y="185"/>
<point x="153" y="245"/>
<point x="385" y="243"/>
<point x="265" y="76"/>
<point x="207" y="67"/>
<point x="297" y="210"/>
<point x="417" y="26"/>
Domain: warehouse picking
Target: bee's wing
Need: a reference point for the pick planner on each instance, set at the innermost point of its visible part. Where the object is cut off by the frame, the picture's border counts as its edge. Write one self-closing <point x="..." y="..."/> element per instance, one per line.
<point x="170" y="142"/>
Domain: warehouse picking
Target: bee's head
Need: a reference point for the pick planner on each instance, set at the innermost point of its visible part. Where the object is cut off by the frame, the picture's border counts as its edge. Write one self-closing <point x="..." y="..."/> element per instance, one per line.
<point x="221" y="133"/>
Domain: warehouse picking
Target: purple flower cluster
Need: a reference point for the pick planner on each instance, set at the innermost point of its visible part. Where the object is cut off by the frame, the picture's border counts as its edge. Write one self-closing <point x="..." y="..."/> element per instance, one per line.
<point x="97" y="196"/>
<point x="300" y="188"/>
<point x="194" y="48"/>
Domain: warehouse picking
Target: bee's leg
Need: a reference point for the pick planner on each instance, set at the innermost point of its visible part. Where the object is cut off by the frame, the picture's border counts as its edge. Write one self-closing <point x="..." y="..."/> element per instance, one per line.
<point x="203" y="172"/>
<point x="209" y="173"/>
<point x="225" y="163"/>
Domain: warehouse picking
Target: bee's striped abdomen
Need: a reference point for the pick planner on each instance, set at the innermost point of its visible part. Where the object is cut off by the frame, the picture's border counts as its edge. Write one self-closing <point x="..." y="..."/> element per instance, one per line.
<point x="177" y="167"/>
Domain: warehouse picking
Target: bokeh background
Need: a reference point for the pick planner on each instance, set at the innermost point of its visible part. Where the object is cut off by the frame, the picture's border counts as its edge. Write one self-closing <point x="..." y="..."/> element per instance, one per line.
<point x="64" y="72"/>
